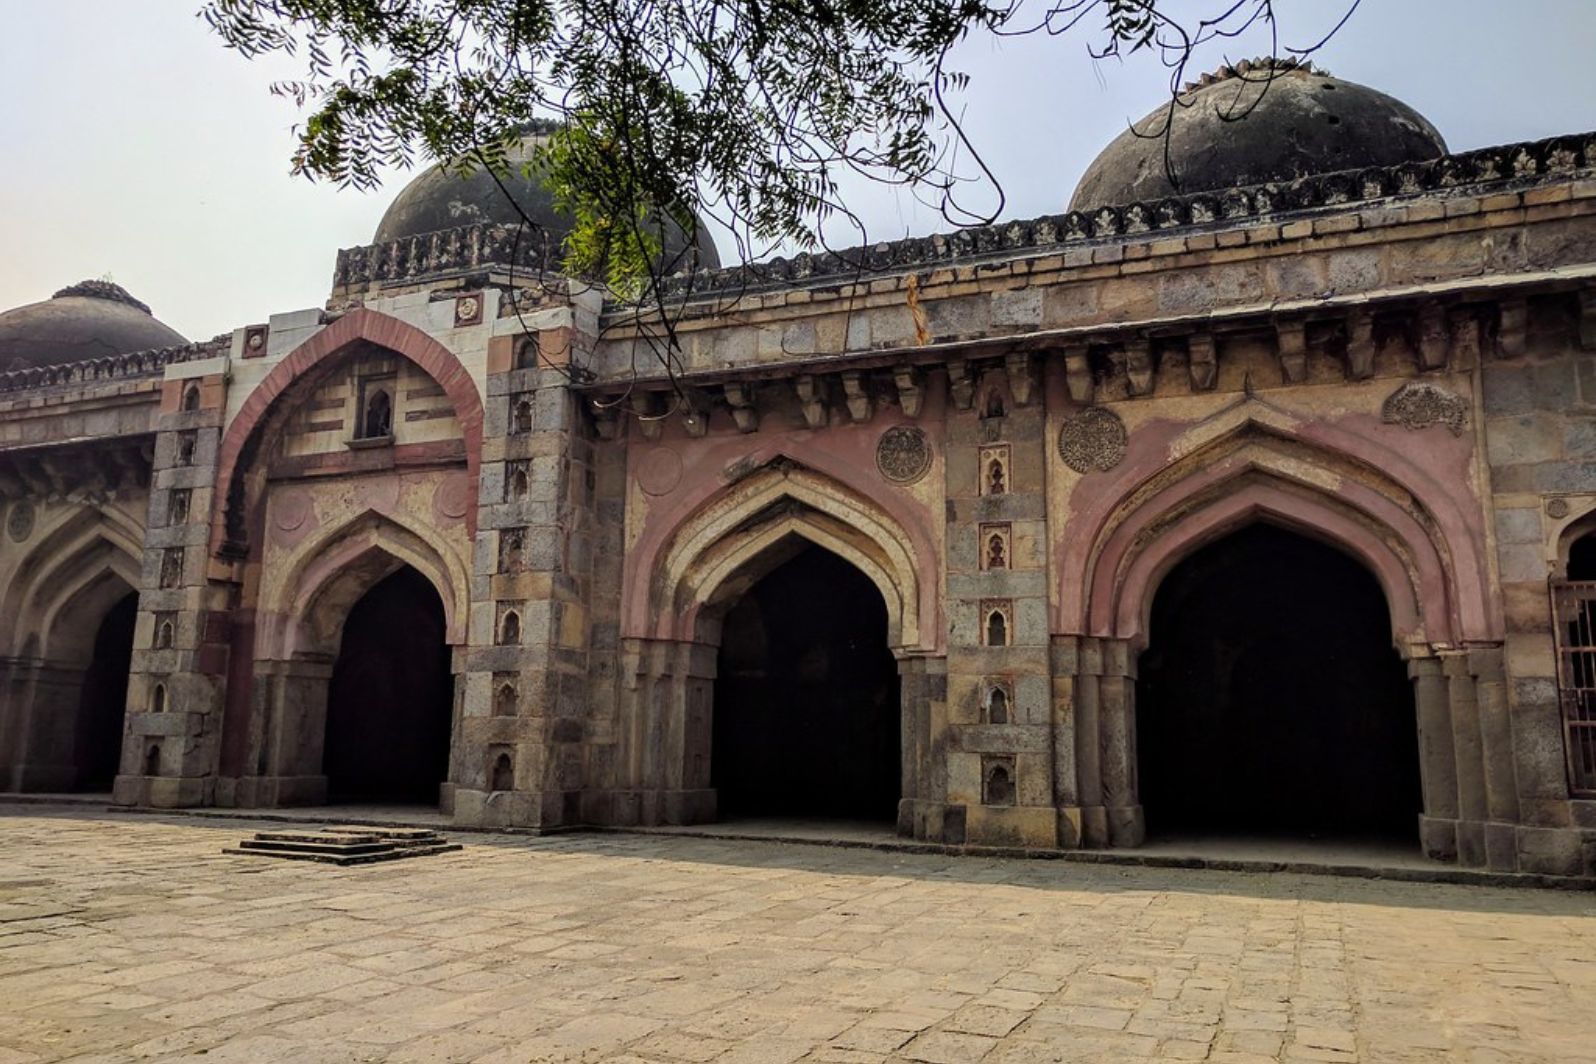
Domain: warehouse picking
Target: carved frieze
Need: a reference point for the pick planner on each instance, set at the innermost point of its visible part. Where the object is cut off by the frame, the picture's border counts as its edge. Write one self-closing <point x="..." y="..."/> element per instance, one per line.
<point x="1092" y="441"/>
<point x="1419" y="405"/>
<point x="903" y="454"/>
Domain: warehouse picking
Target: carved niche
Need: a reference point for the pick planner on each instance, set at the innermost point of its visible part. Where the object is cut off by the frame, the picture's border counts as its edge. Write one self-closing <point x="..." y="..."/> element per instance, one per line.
<point x="1419" y="404"/>
<point x="903" y="454"/>
<point x="1092" y="441"/>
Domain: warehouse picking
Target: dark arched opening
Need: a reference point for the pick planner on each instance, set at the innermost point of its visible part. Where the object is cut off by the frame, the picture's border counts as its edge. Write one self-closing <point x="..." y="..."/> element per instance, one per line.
<point x="390" y="699"/>
<point x="1271" y="699"/>
<point x="102" y="706"/>
<point x="806" y="714"/>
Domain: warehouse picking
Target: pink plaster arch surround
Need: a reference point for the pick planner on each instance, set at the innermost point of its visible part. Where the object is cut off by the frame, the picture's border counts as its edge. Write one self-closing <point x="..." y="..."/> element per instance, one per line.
<point x="361" y="324"/>
<point x="1348" y="488"/>
<point x="1125" y="610"/>
<point x="704" y="483"/>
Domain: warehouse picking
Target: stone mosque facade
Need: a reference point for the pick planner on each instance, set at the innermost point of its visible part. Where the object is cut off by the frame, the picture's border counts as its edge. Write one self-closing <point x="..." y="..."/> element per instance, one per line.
<point x="1260" y="503"/>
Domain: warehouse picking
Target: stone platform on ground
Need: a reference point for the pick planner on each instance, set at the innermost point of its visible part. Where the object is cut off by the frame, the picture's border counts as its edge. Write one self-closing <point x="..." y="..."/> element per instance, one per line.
<point x="345" y="845"/>
<point x="127" y="939"/>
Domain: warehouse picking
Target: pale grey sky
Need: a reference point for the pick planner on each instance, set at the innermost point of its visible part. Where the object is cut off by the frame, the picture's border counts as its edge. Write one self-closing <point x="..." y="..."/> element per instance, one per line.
<point x="138" y="148"/>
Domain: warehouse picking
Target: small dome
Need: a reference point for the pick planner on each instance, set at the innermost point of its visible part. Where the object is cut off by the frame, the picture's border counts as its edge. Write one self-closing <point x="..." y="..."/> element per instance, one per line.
<point x="88" y="320"/>
<point x="1252" y="123"/>
<point x="442" y="199"/>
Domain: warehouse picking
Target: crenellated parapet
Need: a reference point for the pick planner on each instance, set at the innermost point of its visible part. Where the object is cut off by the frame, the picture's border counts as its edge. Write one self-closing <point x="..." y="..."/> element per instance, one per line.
<point x="130" y="366"/>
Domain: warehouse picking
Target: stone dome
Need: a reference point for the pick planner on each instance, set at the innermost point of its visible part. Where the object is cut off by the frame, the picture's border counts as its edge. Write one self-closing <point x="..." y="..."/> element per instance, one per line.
<point x="1252" y="123"/>
<point x="92" y="319"/>
<point x="444" y="199"/>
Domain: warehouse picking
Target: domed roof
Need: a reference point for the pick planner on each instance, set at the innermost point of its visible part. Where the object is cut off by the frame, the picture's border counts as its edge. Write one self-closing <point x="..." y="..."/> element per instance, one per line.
<point x="441" y="199"/>
<point x="1267" y="120"/>
<point x="87" y="320"/>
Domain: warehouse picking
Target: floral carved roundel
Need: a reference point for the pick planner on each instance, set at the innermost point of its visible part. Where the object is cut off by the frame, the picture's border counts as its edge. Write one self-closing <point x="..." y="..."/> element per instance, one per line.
<point x="1092" y="441"/>
<point x="903" y="454"/>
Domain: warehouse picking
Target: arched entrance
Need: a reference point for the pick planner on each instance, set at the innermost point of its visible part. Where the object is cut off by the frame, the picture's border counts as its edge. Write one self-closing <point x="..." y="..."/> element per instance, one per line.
<point x="806" y="719"/>
<point x="1271" y="699"/>
<point x="103" y="704"/>
<point x="390" y="698"/>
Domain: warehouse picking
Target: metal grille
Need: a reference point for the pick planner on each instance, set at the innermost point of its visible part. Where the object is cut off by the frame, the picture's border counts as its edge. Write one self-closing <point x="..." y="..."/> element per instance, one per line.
<point x="1574" y="627"/>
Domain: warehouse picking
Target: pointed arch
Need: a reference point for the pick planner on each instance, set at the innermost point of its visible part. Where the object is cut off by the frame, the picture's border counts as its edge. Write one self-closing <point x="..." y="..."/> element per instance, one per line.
<point x="228" y="516"/>
<point x="748" y="528"/>
<point x="304" y="610"/>
<point x="1256" y="463"/>
<point x="85" y="563"/>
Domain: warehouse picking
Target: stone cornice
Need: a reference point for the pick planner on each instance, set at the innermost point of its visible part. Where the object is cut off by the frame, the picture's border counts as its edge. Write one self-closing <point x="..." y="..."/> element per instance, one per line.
<point x="498" y="248"/>
<point x="1439" y="321"/>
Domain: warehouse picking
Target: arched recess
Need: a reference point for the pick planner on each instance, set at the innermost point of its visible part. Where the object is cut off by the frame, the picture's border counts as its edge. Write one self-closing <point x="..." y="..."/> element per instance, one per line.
<point x="1251" y="470"/>
<point x="238" y="497"/>
<point x="743" y="533"/>
<point x="69" y="611"/>
<point x="303" y="613"/>
<point x="86" y="562"/>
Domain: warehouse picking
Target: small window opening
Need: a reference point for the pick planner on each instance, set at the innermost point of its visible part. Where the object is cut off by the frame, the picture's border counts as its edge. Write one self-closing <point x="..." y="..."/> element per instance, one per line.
<point x="158" y="699"/>
<point x="163" y="636"/>
<point x="996" y="482"/>
<point x="191" y="397"/>
<point x="504" y="701"/>
<point x="994" y="405"/>
<point x="377" y="421"/>
<point x="186" y="442"/>
<point x="996" y="558"/>
<point x="999" y="789"/>
<point x="510" y="629"/>
<point x="997" y="629"/>
<point x="172" y="568"/>
<point x="521" y="418"/>
<point x="511" y="546"/>
<point x="152" y="760"/>
<point x="502" y="778"/>
<point x="519" y="485"/>
<point x="526" y="353"/>
<point x="177" y="507"/>
<point x="997" y="706"/>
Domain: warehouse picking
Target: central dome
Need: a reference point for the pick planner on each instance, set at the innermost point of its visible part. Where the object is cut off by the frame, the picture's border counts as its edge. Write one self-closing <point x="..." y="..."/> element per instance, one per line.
<point x="92" y="319"/>
<point x="443" y="198"/>
<point x="1252" y="123"/>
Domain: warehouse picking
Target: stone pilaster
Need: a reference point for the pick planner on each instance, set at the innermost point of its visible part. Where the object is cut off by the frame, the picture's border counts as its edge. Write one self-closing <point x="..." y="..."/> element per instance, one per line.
<point x="998" y="751"/>
<point x="663" y="753"/>
<point x="518" y="755"/>
<point x="177" y="687"/>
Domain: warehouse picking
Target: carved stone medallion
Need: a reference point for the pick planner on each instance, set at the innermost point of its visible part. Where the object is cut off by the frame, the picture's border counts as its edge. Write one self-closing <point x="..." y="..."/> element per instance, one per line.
<point x="1419" y="404"/>
<point x="1092" y="441"/>
<point x="19" y="522"/>
<point x="903" y="454"/>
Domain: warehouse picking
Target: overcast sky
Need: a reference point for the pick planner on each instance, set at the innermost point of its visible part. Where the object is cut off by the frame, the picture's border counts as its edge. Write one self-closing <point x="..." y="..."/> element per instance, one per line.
<point x="137" y="148"/>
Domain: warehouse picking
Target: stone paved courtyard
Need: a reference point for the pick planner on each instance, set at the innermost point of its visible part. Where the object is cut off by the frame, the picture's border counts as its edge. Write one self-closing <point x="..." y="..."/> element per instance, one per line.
<point x="133" y="938"/>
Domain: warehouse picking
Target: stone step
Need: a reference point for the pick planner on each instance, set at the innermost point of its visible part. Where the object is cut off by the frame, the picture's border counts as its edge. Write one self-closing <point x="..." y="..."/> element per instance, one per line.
<point x="347" y="859"/>
<point x="319" y="837"/>
<point x="320" y="846"/>
<point x="386" y="833"/>
<point x="345" y="846"/>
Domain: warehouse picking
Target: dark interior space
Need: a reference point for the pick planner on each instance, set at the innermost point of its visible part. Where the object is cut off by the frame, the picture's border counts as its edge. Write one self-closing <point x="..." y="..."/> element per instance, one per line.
<point x="806" y="718"/>
<point x="1582" y="558"/>
<point x="391" y="697"/>
<point x="104" y="701"/>
<point x="1271" y="699"/>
